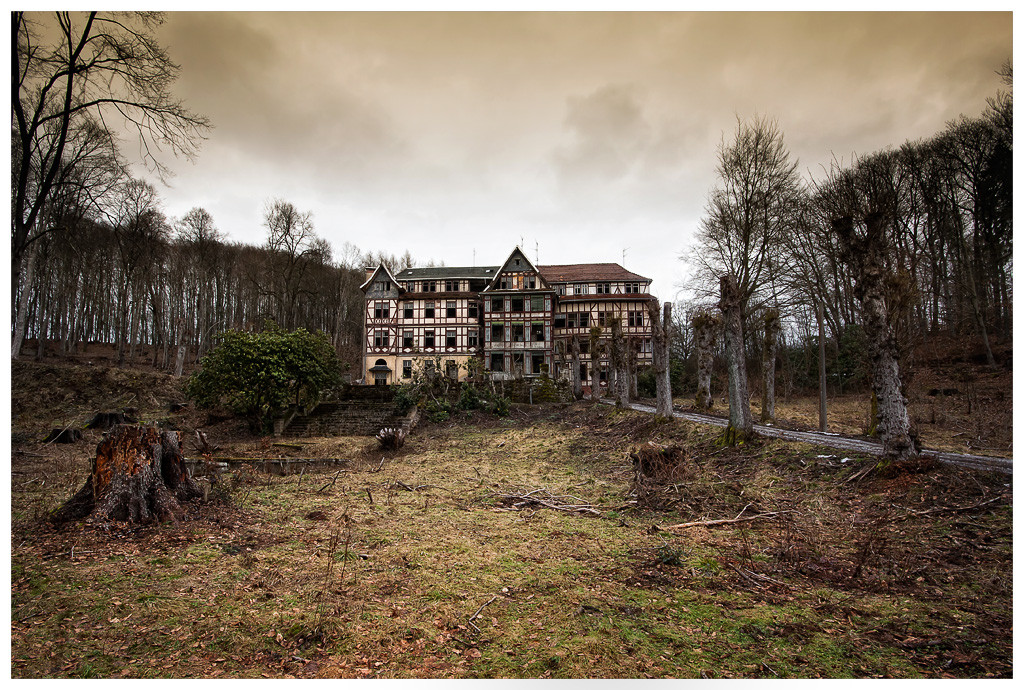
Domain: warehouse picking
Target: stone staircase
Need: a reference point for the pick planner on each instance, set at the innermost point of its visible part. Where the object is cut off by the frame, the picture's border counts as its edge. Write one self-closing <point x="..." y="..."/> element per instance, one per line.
<point x="360" y="411"/>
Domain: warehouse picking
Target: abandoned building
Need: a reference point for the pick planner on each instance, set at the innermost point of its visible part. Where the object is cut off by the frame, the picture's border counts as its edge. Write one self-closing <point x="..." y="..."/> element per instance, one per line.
<point x="515" y="320"/>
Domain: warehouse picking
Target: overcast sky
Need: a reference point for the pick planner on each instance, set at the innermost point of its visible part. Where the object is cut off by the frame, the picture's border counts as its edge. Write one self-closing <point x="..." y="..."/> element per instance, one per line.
<point x="583" y="135"/>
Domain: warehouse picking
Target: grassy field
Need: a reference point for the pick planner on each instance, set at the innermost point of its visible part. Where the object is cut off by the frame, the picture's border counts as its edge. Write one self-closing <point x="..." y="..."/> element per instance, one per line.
<point x="426" y="565"/>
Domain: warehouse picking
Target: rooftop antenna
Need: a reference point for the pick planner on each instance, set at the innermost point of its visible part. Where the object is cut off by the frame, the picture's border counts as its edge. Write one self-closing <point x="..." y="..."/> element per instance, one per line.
<point x="521" y="243"/>
<point x="536" y="251"/>
<point x="624" y="250"/>
<point x="474" y="256"/>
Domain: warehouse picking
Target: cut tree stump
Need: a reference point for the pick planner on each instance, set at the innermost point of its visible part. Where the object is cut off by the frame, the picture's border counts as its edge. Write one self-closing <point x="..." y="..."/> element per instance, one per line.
<point x="108" y="420"/>
<point x="139" y="476"/>
<point x="63" y="436"/>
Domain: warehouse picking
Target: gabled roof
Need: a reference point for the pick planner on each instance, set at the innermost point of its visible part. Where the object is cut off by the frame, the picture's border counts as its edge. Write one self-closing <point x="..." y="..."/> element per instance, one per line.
<point x="568" y="273"/>
<point x="519" y="254"/>
<point x="442" y="272"/>
<point x="373" y="277"/>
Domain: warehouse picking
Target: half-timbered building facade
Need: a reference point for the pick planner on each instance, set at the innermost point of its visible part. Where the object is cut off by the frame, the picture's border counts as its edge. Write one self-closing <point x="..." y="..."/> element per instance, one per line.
<point x="518" y="319"/>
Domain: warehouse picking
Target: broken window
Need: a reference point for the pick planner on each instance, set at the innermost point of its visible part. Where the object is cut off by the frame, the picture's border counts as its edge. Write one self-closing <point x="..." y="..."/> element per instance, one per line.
<point x="559" y="320"/>
<point x="497" y="332"/>
<point x="406" y="368"/>
<point x="449" y="338"/>
<point x="570" y="321"/>
<point x="517" y="333"/>
<point x="428" y="338"/>
<point x="407" y="310"/>
<point x="497" y="304"/>
<point x="451" y="309"/>
<point x="537" y="330"/>
<point x="585" y="320"/>
<point x="407" y="339"/>
<point x="471" y="310"/>
<point x="531" y="283"/>
<point x="497" y="361"/>
<point x="536" y="302"/>
<point x="518" y="362"/>
<point x="452" y="369"/>
<point x="428" y="310"/>
<point x="635" y="318"/>
<point x="517" y="304"/>
<point x="472" y="339"/>
<point x="537" y="363"/>
<point x="583" y="371"/>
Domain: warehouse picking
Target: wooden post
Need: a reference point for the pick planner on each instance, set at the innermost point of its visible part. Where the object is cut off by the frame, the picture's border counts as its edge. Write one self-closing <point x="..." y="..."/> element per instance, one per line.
<point x="823" y="398"/>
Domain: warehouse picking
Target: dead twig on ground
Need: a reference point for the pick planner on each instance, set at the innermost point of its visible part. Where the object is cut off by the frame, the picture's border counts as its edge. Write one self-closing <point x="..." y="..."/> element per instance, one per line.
<point x="946" y="509"/>
<point x="544" y="498"/>
<point x="330" y="483"/>
<point x="733" y="521"/>
<point x="482" y="607"/>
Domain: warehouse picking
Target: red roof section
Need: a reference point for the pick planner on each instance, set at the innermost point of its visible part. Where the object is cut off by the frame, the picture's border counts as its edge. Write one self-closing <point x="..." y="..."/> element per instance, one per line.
<point x="568" y="273"/>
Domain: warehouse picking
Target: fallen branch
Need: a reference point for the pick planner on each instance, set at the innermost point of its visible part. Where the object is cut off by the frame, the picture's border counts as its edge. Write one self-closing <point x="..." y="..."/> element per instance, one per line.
<point x="947" y="509"/>
<point x="733" y="521"/>
<point x="561" y="503"/>
<point x="482" y="607"/>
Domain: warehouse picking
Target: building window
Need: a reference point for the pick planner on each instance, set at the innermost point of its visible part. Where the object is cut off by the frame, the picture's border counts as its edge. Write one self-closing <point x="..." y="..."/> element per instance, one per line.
<point x="472" y="339"/>
<point x="585" y="320"/>
<point x="497" y="361"/>
<point x="560" y="289"/>
<point x="408" y="340"/>
<point x="583" y="371"/>
<point x="383" y="285"/>
<point x="559" y="320"/>
<point x="450" y="309"/>
<point x="428" y="338"/>
<point x="428" y="367"/>
<point x="579" y="288"/>
<point x="517" y="304"/>
<point x="471" y="310"/>
<point x="570" y="321"/>
<point x="518" y="362"/>
<point x="381" y="339"/>
<point x="497" y="332"/>
<point x="428" y="310"/>
<point x="429" y="286"/>
<point x="517" y="332"/>
<point x="536" y="302"/>
<point x="633" y="288"/>
<point x="451" y="369"/>
<point x="407" y="310"/>
<point x="497" y="304"/>
<point x="505" y="283"/>
<point x="604" y="288"/>
<point x="635" y="319"/>
<point x="604" y="375"/>
<point x="451" y="286"/>
<point x="602" y="319"/>
<point x="537" y="330"/>
<point x="406" y="368"/>
<point x="531" y="283"/>
<point x="584" y="347"/>
<point x="449" y="338"/>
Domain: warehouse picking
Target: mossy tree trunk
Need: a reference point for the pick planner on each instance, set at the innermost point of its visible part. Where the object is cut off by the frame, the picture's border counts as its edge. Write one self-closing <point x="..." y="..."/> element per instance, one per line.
<point x="620" y="384"/>
<point x="741" y="421"/>
<point x="574" y="371"/>
<point x="705" y="327"/>
<point x="139" y="475"/>
<point x="772" y="327"/>
<point x="865" y="257"/>
<point x="661" y="334"/>
<point x="595" y="362"/>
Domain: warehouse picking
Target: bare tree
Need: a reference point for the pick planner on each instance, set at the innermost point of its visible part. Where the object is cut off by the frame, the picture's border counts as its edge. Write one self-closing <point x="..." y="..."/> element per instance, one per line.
<point x="705" y="329"/>
<point x="95" y="67"/>
<point x="772" y="326"/>
<point x="618" y="357"/>
<point x="661" y="332"/>
<point x="574" y="368"/>
<point x="596" y="352"/>
<point x="749" y="212"/>
<point x="741" y="422"/>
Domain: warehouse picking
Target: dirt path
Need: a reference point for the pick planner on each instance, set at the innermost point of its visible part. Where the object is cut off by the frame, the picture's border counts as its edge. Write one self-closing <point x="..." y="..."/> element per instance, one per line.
<point x="981" y="462"/>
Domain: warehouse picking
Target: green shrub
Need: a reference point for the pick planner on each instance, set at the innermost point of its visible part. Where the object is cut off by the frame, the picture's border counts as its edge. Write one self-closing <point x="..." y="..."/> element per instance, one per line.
<point x="501" y="406"/>
<point x="258" y="375"/>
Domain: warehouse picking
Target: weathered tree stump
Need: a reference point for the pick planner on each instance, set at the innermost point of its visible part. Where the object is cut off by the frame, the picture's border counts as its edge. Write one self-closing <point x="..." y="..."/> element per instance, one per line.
<point x="63" y="436"/>
<point x="139" y="476"/>
<point x="108" y="420"/>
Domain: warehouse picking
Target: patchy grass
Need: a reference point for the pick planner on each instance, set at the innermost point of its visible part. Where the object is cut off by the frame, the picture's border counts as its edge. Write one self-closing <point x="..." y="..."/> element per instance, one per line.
<point x="281" y="577"/>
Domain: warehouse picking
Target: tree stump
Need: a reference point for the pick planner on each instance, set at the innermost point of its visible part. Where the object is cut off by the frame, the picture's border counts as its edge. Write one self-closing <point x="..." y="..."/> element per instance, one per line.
<point x="108" y="420"/>
<point x="139" y="476"/>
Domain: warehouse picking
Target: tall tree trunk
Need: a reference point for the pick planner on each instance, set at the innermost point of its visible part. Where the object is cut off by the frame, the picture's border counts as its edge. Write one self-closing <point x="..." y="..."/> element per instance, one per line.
<point x="741" y="421"/>
<point x="632" y="353"/>
<point x="595" y="362"/>
<point x="661" y="333"/>
<point x="768" y="352"/>
<point x="864" y="256"/>
<point x="574" y="368"/>
<point x="705" y="326"/>
<point x="620" y="386"/>
<point x="22" y="280"/>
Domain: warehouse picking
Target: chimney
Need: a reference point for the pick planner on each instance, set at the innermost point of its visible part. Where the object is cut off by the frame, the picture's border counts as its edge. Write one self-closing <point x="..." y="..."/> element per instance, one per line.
<point x="369" y="272"/>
